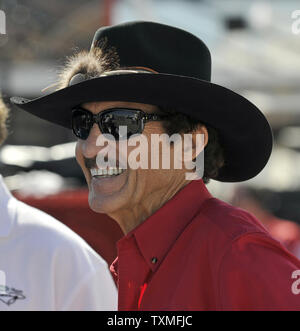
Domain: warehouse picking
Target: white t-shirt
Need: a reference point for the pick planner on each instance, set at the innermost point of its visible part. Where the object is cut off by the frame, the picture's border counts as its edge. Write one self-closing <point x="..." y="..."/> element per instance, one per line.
<point x="45" y="266"/>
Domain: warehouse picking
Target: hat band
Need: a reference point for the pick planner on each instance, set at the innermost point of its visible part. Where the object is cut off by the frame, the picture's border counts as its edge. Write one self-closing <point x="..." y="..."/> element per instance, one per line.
<point x="127" y="70"/>
<point x="78" y="78"/>
<point x="143" y="69"/>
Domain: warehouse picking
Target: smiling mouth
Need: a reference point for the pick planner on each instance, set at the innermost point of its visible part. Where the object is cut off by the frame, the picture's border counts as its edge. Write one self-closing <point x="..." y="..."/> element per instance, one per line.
<point x="106" y="173"/>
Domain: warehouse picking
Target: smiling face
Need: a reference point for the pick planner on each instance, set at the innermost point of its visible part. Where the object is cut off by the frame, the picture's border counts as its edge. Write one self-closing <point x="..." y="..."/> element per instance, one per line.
<point x="131" y="195"/>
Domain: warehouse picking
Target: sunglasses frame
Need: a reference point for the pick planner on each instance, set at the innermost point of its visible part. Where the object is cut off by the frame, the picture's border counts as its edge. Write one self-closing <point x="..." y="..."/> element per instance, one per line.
<point x="98" y="118"/>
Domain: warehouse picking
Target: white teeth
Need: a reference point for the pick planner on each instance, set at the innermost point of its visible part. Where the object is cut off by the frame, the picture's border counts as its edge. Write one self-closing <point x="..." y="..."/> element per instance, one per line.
<point x="106" y="172"/>
<point x="93" y="172"/>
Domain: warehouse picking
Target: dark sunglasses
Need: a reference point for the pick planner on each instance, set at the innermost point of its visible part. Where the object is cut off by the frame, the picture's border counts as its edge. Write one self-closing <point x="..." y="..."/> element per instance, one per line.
<point x="110" y="120"/>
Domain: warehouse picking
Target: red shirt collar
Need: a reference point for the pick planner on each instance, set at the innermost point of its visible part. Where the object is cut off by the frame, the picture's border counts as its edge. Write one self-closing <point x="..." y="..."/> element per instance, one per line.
<point x="156" y="235"/>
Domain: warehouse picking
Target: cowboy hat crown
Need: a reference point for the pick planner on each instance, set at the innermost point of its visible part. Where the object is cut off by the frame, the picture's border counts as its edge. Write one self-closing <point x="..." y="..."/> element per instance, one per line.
<point x="159" y="47"/>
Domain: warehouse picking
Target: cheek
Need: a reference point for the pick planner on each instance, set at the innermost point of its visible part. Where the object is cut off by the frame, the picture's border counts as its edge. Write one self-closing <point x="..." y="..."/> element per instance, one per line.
<point x="80" y="160"/>
<point x="153" y="127"/>
<point x="78" y="153"/>
<point x="154" y="152"/>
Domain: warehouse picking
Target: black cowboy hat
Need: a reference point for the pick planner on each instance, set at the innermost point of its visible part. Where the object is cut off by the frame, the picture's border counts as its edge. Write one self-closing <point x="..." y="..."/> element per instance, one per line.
<point x="171" y="68"/>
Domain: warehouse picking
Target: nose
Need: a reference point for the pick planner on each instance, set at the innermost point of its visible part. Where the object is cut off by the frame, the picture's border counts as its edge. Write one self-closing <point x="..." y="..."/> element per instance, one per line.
<point x="89" y="146"/>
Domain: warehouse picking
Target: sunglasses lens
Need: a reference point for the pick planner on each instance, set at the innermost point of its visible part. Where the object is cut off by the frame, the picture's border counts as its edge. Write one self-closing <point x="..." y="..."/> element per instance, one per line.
<point x="113" y="120"/>
<point x="81" y="124"/>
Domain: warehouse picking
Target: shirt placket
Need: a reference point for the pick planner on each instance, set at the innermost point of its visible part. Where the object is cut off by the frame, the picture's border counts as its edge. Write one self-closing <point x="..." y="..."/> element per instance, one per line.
<point x="133" y="272"/>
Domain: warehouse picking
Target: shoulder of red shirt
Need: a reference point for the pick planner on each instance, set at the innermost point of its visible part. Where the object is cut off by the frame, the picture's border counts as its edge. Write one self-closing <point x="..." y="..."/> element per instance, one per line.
<point x="253" y="271"/>
<point x="229" y="226"/>
<point x="228" y="223"/>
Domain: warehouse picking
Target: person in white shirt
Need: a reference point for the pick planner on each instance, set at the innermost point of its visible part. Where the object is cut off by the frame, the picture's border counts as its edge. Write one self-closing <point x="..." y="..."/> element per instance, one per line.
<point x="43" y="264"/>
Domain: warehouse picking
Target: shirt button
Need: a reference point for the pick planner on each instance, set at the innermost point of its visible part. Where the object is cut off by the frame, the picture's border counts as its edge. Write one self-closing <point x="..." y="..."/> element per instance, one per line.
<point x="154" y="260"/>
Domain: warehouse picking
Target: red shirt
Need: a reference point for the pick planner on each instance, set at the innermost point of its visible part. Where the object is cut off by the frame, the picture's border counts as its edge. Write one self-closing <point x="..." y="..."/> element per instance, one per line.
<point x="199" y="253"/>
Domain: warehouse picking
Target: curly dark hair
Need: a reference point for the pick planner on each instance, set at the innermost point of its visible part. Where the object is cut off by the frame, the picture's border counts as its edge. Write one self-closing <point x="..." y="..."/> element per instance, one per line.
<point x="213" y="153"/>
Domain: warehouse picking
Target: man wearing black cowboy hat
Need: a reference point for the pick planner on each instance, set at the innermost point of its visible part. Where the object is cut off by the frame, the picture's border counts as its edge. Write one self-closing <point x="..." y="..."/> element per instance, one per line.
<point x="182" y="249"/>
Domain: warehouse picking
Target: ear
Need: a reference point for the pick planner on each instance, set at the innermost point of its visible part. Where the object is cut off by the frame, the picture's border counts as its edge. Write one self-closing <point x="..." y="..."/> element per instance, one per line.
<point x="196" y="142"/>
<point x="199" y="139"/>
<point x="201" y="130"/>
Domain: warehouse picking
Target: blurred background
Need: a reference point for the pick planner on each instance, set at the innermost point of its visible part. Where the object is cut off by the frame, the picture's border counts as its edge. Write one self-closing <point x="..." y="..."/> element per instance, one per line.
<point x="255" y="46"/>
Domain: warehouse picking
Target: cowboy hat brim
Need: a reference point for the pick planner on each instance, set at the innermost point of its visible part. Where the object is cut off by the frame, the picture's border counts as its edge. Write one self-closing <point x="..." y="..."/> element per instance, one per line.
<point x="244" y="132"/>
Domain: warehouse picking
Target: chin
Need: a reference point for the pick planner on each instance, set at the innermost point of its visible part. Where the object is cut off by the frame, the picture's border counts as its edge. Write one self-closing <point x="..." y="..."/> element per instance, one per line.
<point x="108" y="195"/>
<point x="104" y="204"/>
<point x="99" y="205"/>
